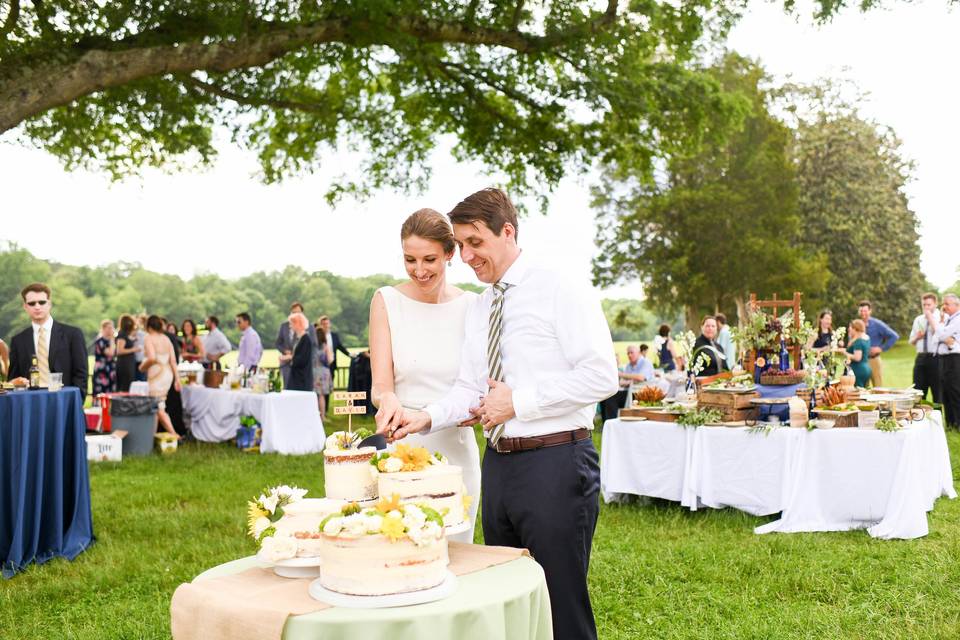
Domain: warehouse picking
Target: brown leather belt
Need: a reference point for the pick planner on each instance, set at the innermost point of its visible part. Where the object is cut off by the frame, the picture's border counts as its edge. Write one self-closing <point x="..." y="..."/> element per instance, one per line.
<point x="512" y="445"/>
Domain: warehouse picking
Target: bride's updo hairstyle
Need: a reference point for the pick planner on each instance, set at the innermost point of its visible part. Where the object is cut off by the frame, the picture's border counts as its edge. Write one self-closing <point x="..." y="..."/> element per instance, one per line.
<point x="430" y="225"/>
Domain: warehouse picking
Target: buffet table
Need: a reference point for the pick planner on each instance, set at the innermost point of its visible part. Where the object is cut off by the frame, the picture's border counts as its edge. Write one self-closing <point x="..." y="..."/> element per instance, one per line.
<point x="821" y="480"/>
<point x="290" y="419"/>
<point x="44" y="483"/>
<point x="507" y="601"/>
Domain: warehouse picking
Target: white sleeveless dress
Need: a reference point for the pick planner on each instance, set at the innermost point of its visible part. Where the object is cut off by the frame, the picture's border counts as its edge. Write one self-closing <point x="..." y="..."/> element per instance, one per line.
<point x="426" y="340"/>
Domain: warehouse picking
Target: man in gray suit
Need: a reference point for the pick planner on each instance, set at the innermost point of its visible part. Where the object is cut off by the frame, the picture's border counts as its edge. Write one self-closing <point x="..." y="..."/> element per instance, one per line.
<point x="286" y="338"/>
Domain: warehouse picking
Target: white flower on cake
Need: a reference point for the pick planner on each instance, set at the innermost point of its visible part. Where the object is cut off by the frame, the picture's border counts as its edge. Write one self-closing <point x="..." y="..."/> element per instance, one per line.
<point x="392" y="465"/>
<point x="269" y="507"/>
<point x="344" y="440"/>
<point x="406" y="458"/>
<point x="275" y="548"/>
<point x="438" y="458"/>
<point x="396" y="521"/>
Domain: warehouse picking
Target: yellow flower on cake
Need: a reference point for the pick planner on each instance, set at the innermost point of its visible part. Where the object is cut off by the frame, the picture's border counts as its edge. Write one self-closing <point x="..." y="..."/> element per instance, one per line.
<point x="387" y="505"/>
<point x="393" y="527"/>
<point x="413" y="458"/>
<point x="254" y="513"/>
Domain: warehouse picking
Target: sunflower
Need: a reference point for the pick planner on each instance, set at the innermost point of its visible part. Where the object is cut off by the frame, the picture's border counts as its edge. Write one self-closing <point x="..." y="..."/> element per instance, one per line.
<point x="254" y="513"/>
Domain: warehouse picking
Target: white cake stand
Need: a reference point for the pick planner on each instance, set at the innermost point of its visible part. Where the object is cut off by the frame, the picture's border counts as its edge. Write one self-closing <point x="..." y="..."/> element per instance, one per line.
<point x="439" y="592"/>
<point x="457" y="528"/>
<point x="295" y="567"/>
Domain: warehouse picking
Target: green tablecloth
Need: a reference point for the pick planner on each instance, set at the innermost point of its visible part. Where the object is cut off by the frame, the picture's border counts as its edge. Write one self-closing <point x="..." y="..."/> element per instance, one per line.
<point x="505" y="602"/>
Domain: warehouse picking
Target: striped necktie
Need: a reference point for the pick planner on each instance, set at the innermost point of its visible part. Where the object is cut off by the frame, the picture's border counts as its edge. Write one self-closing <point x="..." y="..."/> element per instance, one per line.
<point x="43" y="357"/>
<point x="495" y="365"/>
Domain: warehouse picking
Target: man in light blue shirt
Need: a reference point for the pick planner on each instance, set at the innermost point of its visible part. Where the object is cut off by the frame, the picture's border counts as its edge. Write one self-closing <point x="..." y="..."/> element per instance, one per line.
<point x="882" y="337"/>
<point x="725" y="340"/>
<point x="638" y="367"/>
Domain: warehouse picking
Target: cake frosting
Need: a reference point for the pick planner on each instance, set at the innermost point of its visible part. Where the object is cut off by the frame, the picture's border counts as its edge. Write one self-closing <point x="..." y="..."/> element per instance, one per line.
<point x="347" y="471"/>
<point x="416" y="475"/>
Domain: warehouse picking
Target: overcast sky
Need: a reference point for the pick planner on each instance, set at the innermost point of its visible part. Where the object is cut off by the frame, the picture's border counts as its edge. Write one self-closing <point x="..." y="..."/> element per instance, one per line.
<point x="224" y="221"/>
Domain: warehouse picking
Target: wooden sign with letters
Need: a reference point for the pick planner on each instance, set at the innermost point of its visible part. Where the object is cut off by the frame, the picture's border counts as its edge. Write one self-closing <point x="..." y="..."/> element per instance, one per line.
<point x="349" y="409"/>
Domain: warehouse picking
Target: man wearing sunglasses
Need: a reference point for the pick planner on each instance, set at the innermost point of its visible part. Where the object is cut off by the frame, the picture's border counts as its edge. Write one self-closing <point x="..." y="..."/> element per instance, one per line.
<point x="59" y="348"/>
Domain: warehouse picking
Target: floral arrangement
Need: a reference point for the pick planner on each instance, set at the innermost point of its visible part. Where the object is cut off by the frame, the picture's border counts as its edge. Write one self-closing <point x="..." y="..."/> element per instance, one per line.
<point x="887" y="423"/>
<point x="684" y="343"/>
<point x="793" y="335"/>
<point x="346" y="440"/>
<point x="698" y="418"/>
<point x="268" y="508"/>
<point x="836" y="357"/>
<point x="759" y="332"/>
<point x="406" y="458"/>
<point x="417" y="522"/>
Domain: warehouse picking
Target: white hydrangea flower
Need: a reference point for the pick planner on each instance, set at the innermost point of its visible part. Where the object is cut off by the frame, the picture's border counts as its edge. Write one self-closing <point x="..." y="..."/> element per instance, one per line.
<point x="333" y="526"/>
<point x="413" y="517"/>
<point x="277" y="548"/>
<point x="374" y="523"/>
<point x="395" y="514"/>
<point x="261" y="525"/>
<point x="432" y="530"/>
<point x="296" y="494"/>
<point x="393" y="465"/>
<point x="355" y="525"/>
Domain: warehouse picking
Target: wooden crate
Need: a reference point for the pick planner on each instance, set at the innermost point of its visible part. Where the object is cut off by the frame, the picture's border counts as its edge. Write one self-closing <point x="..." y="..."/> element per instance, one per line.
<point x="732" y="414"/>
<point x="842" y="419"/>
<point x="726" y="399"/>
<point x="771" y="380"/>
<point x="649" y="413"/>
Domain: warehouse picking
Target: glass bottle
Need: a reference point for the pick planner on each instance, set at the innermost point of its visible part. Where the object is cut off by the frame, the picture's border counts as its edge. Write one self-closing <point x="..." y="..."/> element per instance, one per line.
<point x="784" y="356"/>
<point x="34" y="373"/>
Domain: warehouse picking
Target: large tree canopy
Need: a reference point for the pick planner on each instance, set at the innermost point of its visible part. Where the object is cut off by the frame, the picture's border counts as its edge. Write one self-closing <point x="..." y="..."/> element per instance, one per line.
<point x="530" y="89"/>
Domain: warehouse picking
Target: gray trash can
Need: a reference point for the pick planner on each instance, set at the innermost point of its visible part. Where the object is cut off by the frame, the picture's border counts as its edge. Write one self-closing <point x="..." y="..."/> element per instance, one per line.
<point x="137" y="416"/>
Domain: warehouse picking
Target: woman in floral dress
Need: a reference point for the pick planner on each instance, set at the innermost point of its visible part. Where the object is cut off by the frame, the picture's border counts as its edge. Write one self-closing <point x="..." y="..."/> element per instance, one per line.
<point x="105" y="361"/>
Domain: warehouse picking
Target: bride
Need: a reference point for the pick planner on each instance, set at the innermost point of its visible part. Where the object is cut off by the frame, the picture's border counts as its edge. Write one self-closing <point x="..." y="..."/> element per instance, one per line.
<point x="416" y="333"/>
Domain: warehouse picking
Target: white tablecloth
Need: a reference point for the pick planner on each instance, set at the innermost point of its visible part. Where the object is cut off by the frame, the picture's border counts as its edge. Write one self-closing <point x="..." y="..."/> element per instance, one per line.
<point x="290" y="419"/>
<point x="823" y="480"/>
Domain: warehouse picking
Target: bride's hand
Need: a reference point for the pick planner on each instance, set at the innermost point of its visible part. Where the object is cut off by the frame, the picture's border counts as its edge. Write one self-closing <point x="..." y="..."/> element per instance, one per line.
<point x="389" y="414"/>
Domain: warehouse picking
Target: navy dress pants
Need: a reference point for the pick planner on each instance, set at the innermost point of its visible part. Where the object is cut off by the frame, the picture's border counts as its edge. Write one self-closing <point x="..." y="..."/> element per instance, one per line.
<point x="547" y="501"/>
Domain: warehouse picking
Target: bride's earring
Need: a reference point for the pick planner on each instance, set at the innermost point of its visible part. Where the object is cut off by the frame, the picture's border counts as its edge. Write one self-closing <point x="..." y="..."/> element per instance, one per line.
<point x="449" y="263"/>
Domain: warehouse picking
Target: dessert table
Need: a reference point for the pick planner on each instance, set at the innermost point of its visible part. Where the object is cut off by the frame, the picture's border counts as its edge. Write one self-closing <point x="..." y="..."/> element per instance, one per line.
<point x="44" y="483"/>
<point x="290" y="419"/>
<point x="508" y="601"/>
<point x="821" y="480"/>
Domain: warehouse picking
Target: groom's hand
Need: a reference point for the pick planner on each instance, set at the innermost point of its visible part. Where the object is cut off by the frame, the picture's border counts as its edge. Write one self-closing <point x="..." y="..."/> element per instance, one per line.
<point x="411" y="422"/>
<point x="473" y="419"/>
<point x="497" y="406"/>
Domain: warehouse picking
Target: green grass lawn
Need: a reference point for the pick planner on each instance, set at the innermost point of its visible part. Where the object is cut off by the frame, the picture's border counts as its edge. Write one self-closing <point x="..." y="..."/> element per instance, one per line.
<point x="657" y="571"/>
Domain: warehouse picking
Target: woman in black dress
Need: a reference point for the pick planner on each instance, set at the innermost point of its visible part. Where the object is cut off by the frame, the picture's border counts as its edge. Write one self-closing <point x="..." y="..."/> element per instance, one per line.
<point x="126" y="353"/>
<point x="824" y="331"/>
<point x="301" y="360"/>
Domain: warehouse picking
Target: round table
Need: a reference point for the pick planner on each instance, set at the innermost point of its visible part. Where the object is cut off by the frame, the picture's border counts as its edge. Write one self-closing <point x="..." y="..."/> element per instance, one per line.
<point x="508" y="601"/>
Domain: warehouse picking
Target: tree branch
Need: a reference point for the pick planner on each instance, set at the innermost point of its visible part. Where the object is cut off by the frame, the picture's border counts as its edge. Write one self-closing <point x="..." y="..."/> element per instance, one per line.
<point x="507" y="91"/>
<point x="517" y="12"/>
<point x="27" y="90"/>
<point x="12" y="18"/>
<point x="253" y="101"/>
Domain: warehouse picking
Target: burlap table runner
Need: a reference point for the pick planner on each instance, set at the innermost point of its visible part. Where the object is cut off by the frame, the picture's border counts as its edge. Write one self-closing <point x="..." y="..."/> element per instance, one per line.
<point x="255" y="603"/>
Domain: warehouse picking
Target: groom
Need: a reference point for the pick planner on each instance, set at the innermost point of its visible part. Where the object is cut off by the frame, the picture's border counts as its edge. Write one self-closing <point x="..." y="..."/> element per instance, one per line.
<point x="537" y="357"/>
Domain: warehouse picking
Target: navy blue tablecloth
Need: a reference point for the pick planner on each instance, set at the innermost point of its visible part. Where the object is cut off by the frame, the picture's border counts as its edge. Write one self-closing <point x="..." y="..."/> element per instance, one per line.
<point x="782" y="411"/>
<point x="44" y="484"/>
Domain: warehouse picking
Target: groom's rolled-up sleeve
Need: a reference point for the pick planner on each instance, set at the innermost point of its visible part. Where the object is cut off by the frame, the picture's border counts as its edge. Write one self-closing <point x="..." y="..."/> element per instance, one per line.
<point x="471" y="380"/>
<point x="584" y="337"/>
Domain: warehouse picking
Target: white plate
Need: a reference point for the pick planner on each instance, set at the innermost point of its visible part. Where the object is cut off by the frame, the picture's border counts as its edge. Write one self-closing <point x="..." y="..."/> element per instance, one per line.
<point x="632" y="418"/>
<point x="439" y="592"/>
<point x="295" y="567"/>
<point x="457" y="528"/>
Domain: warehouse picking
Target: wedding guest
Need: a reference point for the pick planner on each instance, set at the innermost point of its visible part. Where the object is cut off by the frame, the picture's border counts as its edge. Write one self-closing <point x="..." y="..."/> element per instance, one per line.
<point x="926" y="368"/>
<point x="192" y="344"/>
<point x="821" y="341"/>
<point x="285" y="340"/>
<point x="139" y="336"/>
<point x="667" y="350"/>
<point x="301" y="359"/>
<point x="638" y="367"/>
<point x="250" y="349"/>
<point x="321" y="370"/>
<point x="170" y="330"/>
<point x="706" y="351"/>
<point x="333" y="341"/>
<point x="161" y="369"/>
<point x="551" y="360"/>
<point x="4" y="359"/>
<point x="947" y="334"/>
<point x="127" y="350"/>
<point x="174" y="401"/>
<point x="882" y="337"/>
<point x="105" y="360"/>
<point x="858" y="351"/>
<point x="58" y="347"/>
<point x="725" y="340"/>
<point x="215" y="344"/>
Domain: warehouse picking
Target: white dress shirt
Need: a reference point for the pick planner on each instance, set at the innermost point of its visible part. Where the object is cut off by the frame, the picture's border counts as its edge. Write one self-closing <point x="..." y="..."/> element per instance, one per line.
<point x="920" y="324"/>
<point x="216" y="342"/>
<point x="556" y="351"/>
<point x="949" y="328"/>
<point x="47" y="327"/>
